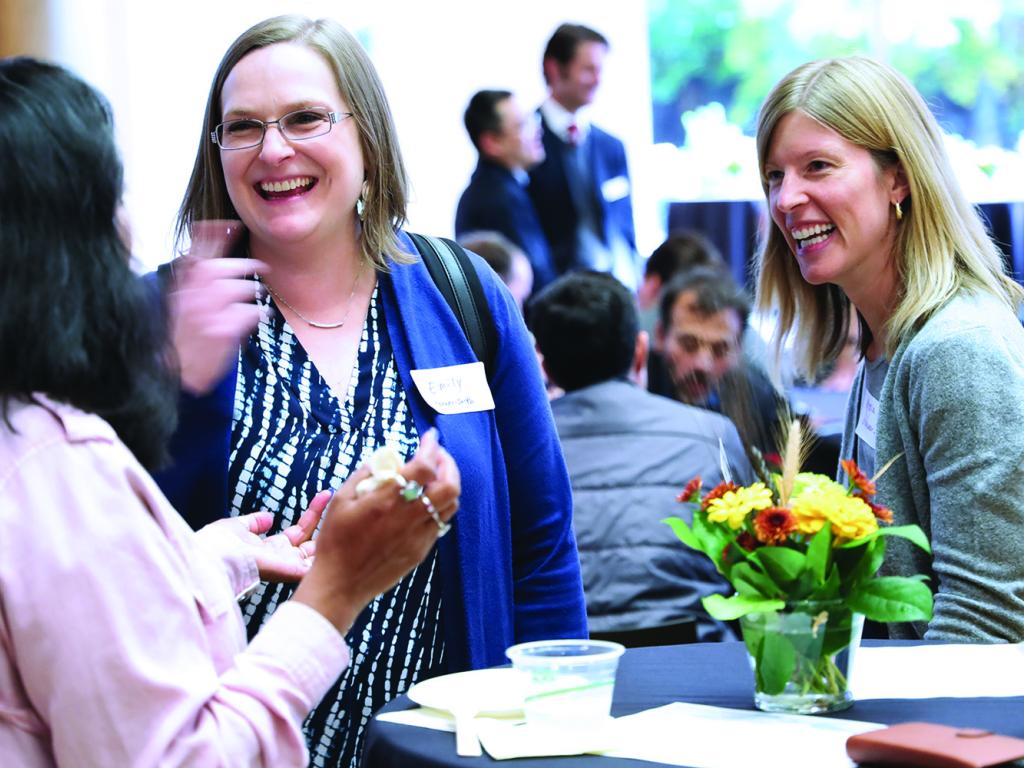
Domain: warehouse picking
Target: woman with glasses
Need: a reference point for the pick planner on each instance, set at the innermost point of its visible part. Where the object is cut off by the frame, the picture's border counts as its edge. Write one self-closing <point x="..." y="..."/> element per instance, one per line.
<point x="869" y="219"/>
<point x="121" y="642"/>
<point x="318" y="335"/>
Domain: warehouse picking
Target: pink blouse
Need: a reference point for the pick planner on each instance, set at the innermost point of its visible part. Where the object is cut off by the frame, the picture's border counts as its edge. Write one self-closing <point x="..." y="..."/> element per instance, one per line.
<point x="121" y="642"/>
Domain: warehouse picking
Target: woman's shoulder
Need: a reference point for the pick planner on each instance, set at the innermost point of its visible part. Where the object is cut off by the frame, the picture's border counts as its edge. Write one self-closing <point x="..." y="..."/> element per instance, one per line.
<point x="971" y="332"/>
<point x="969" y="316"/>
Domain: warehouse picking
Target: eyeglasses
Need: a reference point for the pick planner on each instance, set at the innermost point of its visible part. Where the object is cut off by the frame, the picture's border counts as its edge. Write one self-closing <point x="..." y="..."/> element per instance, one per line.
<point x="295" y="126"/>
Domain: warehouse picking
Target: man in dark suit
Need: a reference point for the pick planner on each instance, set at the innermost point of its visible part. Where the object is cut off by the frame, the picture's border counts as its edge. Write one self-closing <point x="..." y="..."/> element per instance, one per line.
<point x="508" y="140"/>
<point x="582" y="190"/>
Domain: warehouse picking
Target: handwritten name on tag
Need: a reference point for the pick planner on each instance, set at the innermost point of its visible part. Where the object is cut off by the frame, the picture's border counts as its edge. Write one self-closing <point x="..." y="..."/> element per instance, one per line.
<point x="615" y="189"/>
<point x="868" y="423"/>
<point x="455" y="388"/>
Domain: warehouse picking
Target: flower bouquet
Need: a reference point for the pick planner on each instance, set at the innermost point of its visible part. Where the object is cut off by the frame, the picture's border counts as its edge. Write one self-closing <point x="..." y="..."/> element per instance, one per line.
<point x="802" y="552"/>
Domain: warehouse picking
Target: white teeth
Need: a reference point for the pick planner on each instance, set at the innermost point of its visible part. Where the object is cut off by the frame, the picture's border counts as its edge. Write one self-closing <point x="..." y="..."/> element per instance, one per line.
<point x="285" y="186"/>
<point x="816" y="229"/>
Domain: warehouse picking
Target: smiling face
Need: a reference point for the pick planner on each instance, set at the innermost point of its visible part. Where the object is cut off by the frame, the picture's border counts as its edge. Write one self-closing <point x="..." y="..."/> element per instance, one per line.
<point x="517" y="144"/>
<point x="291" y="192"/>
<point x="575" y="84"/>
<point x="833" y="203"/>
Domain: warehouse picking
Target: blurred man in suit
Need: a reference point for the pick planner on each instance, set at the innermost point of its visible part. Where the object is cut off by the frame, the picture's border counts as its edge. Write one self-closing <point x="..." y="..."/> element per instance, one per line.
<point x="629" y="454"/>
<point x="508" y="140"/>
<point x="582" y="190"/>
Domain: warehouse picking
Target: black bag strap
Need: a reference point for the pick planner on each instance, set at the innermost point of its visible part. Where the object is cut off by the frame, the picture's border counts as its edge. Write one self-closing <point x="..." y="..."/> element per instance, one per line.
<point x="453" y="273"/>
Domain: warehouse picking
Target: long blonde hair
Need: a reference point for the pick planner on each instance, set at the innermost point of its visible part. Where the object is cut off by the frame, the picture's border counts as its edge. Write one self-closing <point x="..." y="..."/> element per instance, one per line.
<point x="206" y="196"/>
<point x="941" y="247"/>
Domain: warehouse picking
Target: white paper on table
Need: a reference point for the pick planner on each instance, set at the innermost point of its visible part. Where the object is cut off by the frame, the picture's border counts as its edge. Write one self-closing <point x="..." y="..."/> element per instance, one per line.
<point x="421" y="717"/>
<point x="934" y="671"/>
<point x="714" y="737"/>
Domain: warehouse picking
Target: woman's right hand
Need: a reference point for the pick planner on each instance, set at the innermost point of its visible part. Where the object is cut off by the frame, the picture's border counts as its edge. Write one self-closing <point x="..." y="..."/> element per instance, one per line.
<point x="212" y="304"/>
<point x="370" y="541"/>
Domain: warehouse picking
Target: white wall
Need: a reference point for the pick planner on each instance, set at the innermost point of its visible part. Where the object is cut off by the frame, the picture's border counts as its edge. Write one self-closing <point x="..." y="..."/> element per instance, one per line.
<point x="155" y="62"/>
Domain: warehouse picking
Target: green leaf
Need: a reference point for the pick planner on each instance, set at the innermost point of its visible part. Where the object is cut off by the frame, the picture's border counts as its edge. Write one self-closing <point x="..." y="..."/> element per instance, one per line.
<point x="912" y="533"/>
<point x="829" y="590"/>
<point x="892" y="599"/>
<point x="818" y="551"/>
<point x="782" y="564"/>
<point x="775" y="663"/>
<point x="868" y="564"/>
<point x="750" y="582"/>
<point x="729" y="608"/>
<point x="683" y="532"/>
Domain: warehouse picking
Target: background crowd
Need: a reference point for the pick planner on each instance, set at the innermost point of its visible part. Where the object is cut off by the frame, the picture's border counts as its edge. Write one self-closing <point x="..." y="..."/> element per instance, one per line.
<point x="300" y="332"/>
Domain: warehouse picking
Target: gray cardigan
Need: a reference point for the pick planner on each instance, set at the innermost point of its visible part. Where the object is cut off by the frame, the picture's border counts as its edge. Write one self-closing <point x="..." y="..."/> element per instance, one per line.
<point x="952" y="404"/>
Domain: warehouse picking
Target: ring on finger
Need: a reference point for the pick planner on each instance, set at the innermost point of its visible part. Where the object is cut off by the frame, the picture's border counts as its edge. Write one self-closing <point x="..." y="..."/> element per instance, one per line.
<point x="411" y="491"/>
<point x="428" y="505"/>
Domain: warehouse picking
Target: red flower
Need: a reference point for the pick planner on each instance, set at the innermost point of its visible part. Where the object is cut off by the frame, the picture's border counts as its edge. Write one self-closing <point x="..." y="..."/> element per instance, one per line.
<point x="882" y="514"/>
<point x="857" y="477"/>
<point x="773" y="460"/>
<point x="719" y="490"/>
<point x="747" y="541"/>
<point x="773" y="525"/>
<point x="691" y="492"/>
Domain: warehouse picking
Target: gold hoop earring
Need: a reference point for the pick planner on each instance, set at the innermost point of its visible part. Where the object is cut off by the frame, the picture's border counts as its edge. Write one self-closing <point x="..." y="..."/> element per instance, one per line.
<point x="899" y="211"/>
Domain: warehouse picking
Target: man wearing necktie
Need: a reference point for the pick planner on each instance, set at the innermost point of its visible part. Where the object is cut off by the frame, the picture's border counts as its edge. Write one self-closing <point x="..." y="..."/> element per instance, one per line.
<point x="582" y="189"/>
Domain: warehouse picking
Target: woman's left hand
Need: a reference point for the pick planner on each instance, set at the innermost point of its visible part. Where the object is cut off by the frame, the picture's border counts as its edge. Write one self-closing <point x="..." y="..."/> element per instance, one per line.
<point x="285" y="556"/>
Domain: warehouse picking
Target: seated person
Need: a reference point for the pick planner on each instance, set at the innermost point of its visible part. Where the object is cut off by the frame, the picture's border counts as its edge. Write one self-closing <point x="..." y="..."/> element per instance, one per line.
<point x="504" y="257"/>
<point x="629" y="455"/>
<point x="682" y="250"/>
<point x="702" y="320"/>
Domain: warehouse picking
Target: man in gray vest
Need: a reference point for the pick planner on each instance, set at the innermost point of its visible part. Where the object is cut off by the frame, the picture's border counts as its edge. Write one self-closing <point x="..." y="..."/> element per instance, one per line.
<point x="629" y="454"/>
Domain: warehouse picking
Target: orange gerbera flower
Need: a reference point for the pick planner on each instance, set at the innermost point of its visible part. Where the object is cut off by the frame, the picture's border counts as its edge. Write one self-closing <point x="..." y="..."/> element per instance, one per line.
<point x="691" y="492"/>
<point x="857" y="477"/>
<point x="773" y="525"/>
<point x="719" y="490"/>
<point x="882" y="514"/>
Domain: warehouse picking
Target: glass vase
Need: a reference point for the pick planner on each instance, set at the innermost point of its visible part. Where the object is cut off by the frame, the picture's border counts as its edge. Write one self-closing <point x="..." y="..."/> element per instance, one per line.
<point x="802" y="656"/>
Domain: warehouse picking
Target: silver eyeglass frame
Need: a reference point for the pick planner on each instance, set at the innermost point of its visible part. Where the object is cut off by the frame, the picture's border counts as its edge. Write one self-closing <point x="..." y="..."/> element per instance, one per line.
<point x="333" y="117"/>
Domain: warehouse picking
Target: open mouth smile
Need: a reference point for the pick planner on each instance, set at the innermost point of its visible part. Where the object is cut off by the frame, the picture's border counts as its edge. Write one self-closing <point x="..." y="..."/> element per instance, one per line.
<point x="806" y="237"/>
<point x="284" y="188"/>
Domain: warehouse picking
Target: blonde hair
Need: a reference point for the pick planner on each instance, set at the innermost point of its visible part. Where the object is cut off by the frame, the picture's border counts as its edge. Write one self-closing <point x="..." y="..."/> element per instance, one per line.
<point x="941" y="247"/>
<point x="385" y="195"/>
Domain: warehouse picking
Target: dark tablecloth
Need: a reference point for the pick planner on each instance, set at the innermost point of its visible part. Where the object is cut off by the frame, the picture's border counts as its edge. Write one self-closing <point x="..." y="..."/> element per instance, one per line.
<point x="708" y="673"/>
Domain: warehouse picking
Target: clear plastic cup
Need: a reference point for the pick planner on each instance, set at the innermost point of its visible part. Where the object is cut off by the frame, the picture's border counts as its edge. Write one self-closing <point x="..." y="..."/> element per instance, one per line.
<point x="569" y="683"/>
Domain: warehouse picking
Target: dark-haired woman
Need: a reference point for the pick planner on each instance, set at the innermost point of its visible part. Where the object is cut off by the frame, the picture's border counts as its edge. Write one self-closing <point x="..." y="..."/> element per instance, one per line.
<point x="120" y="639"/>
<point x="298" y="143"/>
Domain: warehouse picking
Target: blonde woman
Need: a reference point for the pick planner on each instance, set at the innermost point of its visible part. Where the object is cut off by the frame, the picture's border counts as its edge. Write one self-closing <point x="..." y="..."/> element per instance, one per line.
<point x="868" y="218"/>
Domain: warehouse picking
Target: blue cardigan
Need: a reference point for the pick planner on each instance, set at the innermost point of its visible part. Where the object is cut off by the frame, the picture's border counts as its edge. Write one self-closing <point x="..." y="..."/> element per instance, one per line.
<point x="510" y="569"/>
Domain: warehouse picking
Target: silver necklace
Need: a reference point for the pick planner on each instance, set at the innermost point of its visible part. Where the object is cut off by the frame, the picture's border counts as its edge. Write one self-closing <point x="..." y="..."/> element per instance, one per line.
<point x="314" y="323"/>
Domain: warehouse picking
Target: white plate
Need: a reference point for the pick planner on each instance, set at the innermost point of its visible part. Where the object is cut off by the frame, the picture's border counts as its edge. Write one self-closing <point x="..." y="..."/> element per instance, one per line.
<point x="496" y="692"/>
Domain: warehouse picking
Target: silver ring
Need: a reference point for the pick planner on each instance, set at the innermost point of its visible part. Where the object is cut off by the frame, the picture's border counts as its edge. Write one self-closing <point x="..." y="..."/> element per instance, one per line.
<point x="442" y="526"/>
<point x="411" y="491"/>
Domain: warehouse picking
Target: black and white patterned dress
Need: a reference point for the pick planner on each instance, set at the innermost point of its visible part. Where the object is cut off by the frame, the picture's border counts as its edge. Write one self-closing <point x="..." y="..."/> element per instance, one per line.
<point x="293" y="436"/>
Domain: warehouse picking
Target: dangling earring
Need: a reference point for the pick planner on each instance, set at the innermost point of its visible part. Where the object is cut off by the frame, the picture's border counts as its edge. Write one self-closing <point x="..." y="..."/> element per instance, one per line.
<point x="361" y="202"/>
<point x="899" y="211"/>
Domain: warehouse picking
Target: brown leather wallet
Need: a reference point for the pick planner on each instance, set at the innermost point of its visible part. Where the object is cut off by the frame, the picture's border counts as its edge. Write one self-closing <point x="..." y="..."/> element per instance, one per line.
<point x="930" y="745"/>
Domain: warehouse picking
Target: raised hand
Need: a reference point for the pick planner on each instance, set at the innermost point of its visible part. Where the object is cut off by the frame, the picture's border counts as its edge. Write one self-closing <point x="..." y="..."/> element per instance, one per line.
<point x="368" y="542"/>
<point x="212" y="304"/>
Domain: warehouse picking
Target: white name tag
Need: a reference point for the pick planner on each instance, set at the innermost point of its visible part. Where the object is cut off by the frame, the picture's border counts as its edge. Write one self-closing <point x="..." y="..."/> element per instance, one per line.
<point x="868" y="422"/>
<point x="455" y="388"/>
<point x="615" y="189"/>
